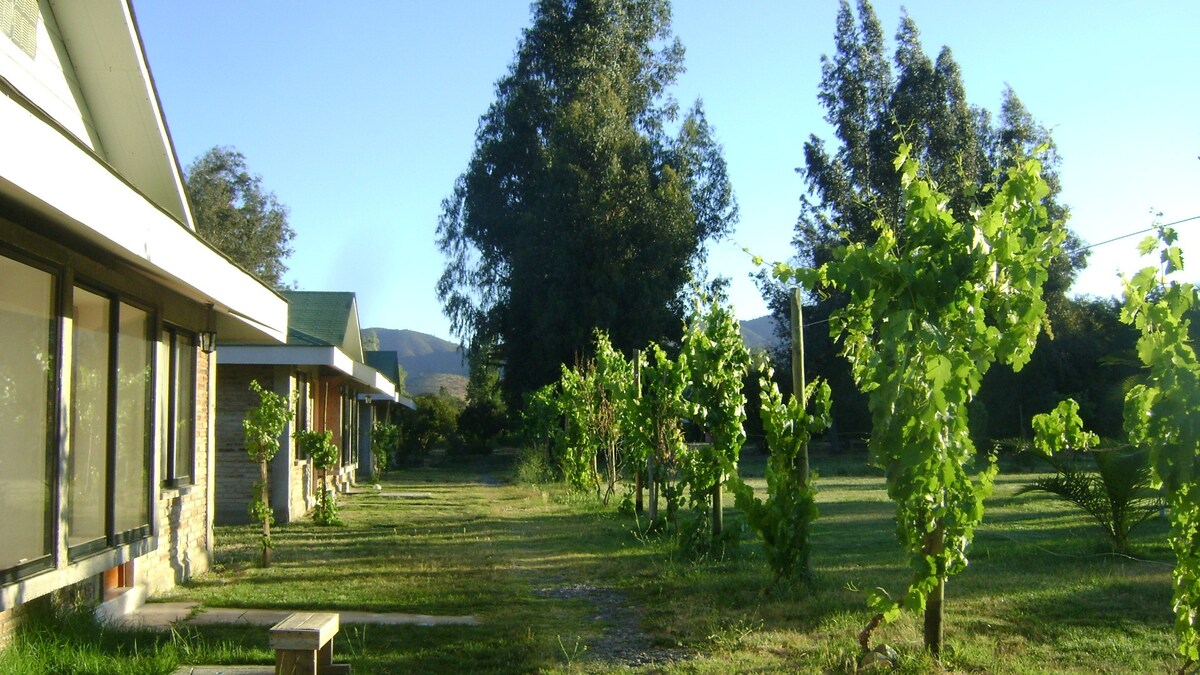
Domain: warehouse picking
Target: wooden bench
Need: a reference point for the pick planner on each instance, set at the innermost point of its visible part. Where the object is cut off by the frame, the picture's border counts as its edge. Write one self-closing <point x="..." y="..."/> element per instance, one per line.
<point x="303" y="644"/>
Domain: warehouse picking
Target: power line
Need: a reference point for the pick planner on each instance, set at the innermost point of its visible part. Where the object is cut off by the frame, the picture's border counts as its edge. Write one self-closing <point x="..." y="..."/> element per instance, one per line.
<point x="1082" y="248"/>
<point x="1131" y="234"/>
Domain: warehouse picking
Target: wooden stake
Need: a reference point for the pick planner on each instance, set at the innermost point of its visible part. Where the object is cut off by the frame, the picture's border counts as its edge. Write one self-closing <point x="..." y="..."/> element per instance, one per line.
<point x="798" y="385"/>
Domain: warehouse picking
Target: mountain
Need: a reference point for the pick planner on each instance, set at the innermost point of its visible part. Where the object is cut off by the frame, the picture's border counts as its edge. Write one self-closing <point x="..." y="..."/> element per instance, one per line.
<point x="433" y="363"/>
<point x="759" y="332"/>
<point x="430" y="362"/>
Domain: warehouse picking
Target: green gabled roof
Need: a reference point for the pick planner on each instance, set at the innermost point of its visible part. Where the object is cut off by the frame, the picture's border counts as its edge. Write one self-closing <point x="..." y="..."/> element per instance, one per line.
<point x="387" y="363"/>
<point x="319" y="317"/>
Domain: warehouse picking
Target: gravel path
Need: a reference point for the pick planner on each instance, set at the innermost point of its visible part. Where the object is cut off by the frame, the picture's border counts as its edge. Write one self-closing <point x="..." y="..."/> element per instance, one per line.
<point x="621" y="642"/>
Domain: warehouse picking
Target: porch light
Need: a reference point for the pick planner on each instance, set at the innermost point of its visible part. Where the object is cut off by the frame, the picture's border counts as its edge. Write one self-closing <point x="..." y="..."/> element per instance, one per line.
<point x="208" y="336"/>
<point x="208" y="341"/>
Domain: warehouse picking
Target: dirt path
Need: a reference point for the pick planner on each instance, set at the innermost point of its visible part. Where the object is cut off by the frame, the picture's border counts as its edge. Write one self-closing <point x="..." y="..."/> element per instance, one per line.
<point x="622" y="642"/>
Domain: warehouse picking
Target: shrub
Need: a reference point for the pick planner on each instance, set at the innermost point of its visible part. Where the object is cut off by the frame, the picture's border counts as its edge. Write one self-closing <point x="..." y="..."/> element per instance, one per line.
<point x="319" y="447"/>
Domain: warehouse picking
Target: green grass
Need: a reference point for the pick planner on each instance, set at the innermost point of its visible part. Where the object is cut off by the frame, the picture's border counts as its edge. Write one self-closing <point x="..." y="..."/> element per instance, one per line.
<point x="1040" y="594"/>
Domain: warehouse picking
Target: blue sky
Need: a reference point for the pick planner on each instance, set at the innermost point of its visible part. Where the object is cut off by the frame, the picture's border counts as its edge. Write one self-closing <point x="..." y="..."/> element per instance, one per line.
<point x="359" y="115"/>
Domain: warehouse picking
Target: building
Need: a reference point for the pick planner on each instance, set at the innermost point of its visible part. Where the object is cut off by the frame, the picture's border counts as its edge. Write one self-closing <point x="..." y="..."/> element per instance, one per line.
<point x="109" y="302"/>
<point x="385" y="409"/>
<point x="322" y="369"/>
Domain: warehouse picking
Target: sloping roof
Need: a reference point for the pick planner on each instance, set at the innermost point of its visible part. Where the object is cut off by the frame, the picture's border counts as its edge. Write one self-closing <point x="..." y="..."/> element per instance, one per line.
<point x="324" y="318"/>
<point x="387" y="363"/>
<point x="87" y="150"/>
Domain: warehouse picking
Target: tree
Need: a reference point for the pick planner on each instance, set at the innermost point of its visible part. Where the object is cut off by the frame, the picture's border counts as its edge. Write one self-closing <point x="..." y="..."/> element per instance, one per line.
<point x="318" y="446"/>
<point x="262" y="427"/>
<point x="370" y="340"/>
<point x="236" y="215"/>
<point x="1090" y="358"/>
<point x="486" y="415"/>
<point x="656" y="412"/>
<point x="717" y="361"/>
<point x="579" y="210"/>
<point x="784" y="520"/>
<point x="434" y="421"/>
<point x="873" y="106"/>
<point x="932" y="303"/>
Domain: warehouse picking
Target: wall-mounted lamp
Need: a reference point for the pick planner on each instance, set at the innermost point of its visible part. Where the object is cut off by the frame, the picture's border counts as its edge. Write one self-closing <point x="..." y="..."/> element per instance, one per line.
<point x="208" y="336"/>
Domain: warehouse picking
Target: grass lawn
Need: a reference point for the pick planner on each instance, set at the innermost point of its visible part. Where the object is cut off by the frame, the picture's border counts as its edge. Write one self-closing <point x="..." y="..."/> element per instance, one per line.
<point x="561" y="583"/>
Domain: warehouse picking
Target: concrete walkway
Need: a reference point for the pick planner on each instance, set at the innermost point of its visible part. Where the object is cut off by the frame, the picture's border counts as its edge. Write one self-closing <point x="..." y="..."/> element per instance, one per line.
<point x="163" y="615"/>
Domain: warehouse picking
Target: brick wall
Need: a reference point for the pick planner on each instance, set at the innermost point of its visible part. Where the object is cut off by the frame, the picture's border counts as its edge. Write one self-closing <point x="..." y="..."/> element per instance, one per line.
<point x="236" y="473"/>
<point x="8" y="624"/>
<point x="183" y="545"/>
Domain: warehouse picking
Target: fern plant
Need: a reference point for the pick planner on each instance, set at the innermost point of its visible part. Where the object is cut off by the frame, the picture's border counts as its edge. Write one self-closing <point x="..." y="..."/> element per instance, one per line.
<point x="1118" y="494"/>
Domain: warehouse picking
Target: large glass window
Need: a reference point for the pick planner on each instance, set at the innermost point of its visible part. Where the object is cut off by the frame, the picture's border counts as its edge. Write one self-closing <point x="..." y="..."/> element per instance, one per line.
<point x="108" y="497"/>
<point x="133" y="420"/>
<point x="106" y="398"/>
<point x="87" y="459"/>
<point x="27" y="366"/>
<point x="177" y="407"/>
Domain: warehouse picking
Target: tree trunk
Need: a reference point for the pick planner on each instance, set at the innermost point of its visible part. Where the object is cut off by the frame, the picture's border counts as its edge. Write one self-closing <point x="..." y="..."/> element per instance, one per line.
<point x="266" y="523"/>
<point x="934" y="630"/>
<point x="718" y="513"/>
<point x="652" y="488"/>
<point x="637" y="505"/>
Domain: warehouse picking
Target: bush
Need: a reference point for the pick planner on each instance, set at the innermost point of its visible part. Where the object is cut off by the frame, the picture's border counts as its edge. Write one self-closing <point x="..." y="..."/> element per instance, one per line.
<point x="319" y="447"/>
<point x="480" y="424"/>
<point x="434" y="421"/>
<point x="385" y="444"/>
<point x="531" y="467"/>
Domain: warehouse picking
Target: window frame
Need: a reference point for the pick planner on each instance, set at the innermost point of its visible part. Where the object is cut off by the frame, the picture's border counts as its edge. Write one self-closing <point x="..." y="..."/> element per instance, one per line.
<point x="172" y="477"/>
<point x="52" y="523"/>
<point x="111" y="538"/>
<point x="303" y="391"/>
<point x="348" y="427"/>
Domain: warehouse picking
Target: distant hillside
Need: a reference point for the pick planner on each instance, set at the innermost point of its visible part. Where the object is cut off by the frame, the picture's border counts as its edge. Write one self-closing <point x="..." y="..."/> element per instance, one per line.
<point x="431" y="362"/>
<point x="759" y="332"/>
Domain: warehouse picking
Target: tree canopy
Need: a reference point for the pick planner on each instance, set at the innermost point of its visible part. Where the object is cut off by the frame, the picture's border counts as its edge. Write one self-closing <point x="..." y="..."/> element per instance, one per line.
<point x="580" y="209"/>
<point x="237" y="215"/>
<point x="874" y="106"/>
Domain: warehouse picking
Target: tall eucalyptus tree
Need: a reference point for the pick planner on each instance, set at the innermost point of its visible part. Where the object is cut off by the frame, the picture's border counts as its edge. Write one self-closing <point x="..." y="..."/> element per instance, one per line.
<point x="582" y="207"/>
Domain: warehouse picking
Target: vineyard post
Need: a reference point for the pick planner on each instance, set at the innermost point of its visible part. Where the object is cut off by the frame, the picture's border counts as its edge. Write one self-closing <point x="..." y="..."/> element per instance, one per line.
<point x="718" y="511"/>
<point x="798" y="382"/>
<point x="642" y="472"/>
<point x="798" y="389"/>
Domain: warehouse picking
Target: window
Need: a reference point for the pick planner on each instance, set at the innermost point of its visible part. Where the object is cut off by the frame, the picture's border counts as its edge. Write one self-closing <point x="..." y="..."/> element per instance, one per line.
<point x="177" y="407"/>
<point x="303" y="391"/>
<point x="99" y="374"/>
<point x="28" y="331"/>
<point x="349" y="427"/>
<point x="19" y="20"/>
<point x="108" y="492"/>
<point x="134" y="351"/>
<point x="87" y="459"/>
